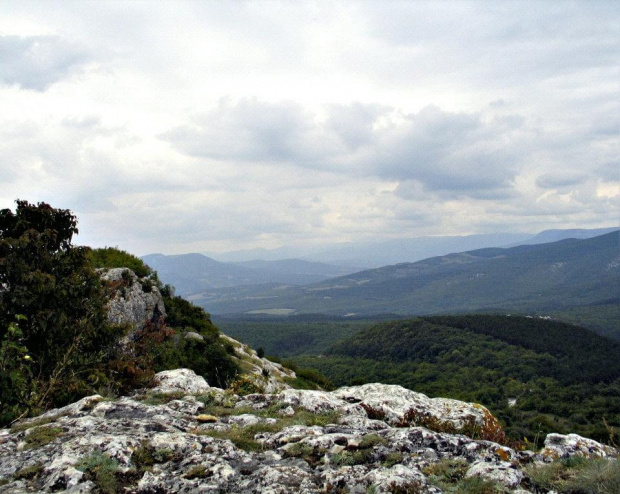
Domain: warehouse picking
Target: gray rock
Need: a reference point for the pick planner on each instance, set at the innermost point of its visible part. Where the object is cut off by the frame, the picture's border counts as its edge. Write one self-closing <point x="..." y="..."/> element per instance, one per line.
<point x="130" y="303"/>
<point x="180" y="380"/>
<point x="502" y="472"/>
<point x="563" y="446"/>
<point x="188" y="456"/>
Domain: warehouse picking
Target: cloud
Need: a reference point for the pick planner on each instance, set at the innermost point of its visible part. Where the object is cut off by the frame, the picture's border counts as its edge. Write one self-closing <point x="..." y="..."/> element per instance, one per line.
<point x="218" y="125"/>
<point x="444" y="151"/>
<point x="37" y="62"/>
<point x="557" y="180"/>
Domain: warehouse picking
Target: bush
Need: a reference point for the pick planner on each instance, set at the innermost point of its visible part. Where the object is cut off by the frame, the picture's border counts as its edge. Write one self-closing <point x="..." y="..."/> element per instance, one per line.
<point x="64" y="329"/>
<point x="113" y="257"/>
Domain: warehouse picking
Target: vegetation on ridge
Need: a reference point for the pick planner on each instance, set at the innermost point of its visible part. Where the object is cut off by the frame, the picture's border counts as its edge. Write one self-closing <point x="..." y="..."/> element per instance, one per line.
<point x="56" y="344"/>
<point x="53" y="326"/>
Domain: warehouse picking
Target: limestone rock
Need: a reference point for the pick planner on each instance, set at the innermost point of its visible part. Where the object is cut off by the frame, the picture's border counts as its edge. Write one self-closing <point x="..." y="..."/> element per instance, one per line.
<point x="180" y="380"/>
<point x="267" y="376"/>
<point x="400" y="406"/>
<point x="130" y="302"/>
<point x="263" y="451"/>
<point x="503" y="472"/>
<point x="564" y="446"/>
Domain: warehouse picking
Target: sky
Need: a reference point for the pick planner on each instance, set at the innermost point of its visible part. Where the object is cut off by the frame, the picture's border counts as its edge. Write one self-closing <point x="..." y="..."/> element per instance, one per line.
<point x="209" y="126"/>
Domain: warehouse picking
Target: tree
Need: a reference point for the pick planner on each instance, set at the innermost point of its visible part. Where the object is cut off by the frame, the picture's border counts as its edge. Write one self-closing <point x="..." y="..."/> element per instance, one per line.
<point x="49" y="284"/>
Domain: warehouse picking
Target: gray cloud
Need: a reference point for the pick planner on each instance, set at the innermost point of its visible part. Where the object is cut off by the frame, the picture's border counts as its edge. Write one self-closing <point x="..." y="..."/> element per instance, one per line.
<point x="442" y="150"/>
<point x="252" y="130"/>
<point x="558" y="180"/>
<point x="36" y="62"/>
<point x="215" y="125"/>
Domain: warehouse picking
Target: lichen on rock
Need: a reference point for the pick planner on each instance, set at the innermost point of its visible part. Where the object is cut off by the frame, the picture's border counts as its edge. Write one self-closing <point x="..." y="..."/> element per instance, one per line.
<point x="198" y="438"/>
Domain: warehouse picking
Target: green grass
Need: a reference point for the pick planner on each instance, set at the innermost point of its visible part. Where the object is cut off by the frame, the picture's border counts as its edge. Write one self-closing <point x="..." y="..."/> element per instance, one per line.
<point x="40" y="436"/>
<point x="28" y="473"/>
<point x="449" y="476"/>
<point x="576" y="475"/>
<point x="243" y="437"/>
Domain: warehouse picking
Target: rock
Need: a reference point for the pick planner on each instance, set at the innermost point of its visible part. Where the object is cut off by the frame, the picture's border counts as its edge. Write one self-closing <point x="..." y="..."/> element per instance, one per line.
<point x="563" y="446"/>
<point x="266" y="375"/>
<point x="501" y="472"/>
<point x="191" y="335"/>
<point x="399" y="406"/>
<point x="180" y="380"/>
<point x="130" y="303"/>
<point x="167" y="447"/>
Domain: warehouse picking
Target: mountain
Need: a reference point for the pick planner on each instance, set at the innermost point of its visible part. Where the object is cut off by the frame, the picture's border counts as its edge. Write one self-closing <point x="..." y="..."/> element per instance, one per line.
<point x="295" y="271"/>
<point x="556" y="235"/>
<point x="194" y="273"/>
<point x="520" y="367"/>
<point x="374" y="254"/>
<point x="531" y="278"/>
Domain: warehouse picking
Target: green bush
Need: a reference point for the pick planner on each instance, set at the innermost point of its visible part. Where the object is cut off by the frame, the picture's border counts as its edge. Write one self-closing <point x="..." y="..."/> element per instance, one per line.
<point x="113" y="257"/>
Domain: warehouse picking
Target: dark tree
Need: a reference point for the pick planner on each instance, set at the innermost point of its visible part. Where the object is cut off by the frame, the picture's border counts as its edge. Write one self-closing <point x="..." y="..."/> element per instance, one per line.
<point x="51" y="287"/>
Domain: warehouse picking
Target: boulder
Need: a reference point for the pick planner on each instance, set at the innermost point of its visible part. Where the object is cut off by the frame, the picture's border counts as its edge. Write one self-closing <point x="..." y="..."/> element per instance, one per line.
<point x="180" y="381"/>
<point x="564" y="446"/>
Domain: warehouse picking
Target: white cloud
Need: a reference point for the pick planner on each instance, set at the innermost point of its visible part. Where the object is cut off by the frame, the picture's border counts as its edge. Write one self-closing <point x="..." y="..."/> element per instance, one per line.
<point x="177" y="126"/>
<point x="37" y="62"/>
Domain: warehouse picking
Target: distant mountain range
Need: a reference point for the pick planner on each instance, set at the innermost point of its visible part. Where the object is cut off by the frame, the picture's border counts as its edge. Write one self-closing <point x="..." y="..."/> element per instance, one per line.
<point x="530" y="278"/>
<point x="374" y="254"/>
<point x="192" y="273"/>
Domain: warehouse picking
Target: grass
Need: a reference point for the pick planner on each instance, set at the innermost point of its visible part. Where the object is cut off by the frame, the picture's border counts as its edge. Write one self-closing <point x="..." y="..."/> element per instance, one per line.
<point x="40" y="436"/>
<point x="449" y="476"/>
<point x="145" y="456"/>
<point x="29" y="425"/>
<point x="30" y="472"/>
<point x="243" y="437"/>
<point x="197" y="472"/>
<point x="160" y="398"/>
<point x="576" y="475"/>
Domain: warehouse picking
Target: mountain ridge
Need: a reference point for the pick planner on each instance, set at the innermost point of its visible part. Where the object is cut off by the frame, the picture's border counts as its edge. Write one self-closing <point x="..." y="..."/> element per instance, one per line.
<point x="529" y="278"/>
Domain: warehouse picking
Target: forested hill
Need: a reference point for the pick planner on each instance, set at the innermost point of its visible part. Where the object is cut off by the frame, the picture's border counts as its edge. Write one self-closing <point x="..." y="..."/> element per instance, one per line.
<point x="543" y="278"/>
<point x="523" y="347"/>
<point x="535" y="374"/>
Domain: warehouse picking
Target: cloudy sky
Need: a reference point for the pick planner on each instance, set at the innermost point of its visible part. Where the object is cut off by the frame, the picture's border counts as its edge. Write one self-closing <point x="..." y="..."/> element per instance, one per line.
<point x="209" y="126"/>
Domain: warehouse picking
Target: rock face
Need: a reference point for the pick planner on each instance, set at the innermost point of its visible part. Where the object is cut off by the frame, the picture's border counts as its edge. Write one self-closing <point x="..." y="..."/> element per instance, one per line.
<point x="185" y="436"/>
<point x="134" y="301"/>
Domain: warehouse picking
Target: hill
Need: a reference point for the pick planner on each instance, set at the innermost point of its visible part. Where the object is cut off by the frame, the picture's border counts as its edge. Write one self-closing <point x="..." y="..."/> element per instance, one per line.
<point x="548" y="278"/>
<point x="534" y="374"/>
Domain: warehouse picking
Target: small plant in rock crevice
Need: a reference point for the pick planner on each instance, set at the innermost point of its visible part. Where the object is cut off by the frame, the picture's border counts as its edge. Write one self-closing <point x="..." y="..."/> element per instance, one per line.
<point x="29" y="472"/>
<point x="101" y="469"/>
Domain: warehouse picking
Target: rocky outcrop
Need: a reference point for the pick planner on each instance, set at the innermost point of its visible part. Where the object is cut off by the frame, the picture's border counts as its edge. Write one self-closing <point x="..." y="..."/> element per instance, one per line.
<point x="185" y="436"/>
<point x="133" y="300"/>
<point x="260" y="373"/>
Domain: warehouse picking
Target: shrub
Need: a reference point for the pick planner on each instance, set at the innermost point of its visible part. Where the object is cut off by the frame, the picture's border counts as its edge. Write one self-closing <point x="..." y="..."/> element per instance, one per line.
<point x="50" y="282"/>
<point x="113" y="257"/>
